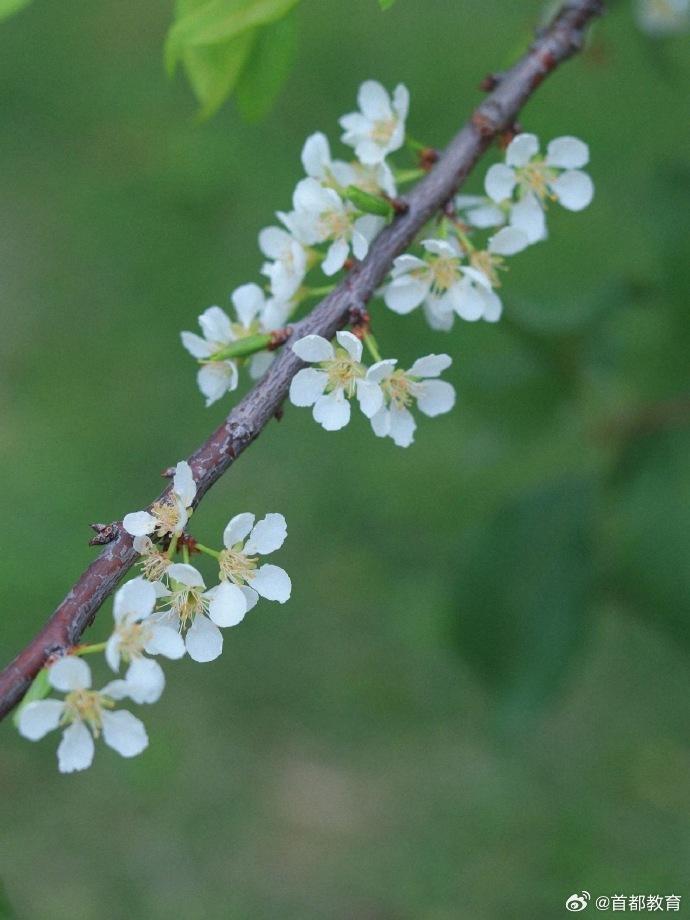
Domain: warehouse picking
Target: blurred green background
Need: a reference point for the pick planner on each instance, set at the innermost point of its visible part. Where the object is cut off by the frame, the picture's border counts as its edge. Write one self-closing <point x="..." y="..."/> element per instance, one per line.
<point x="476" y="701"/>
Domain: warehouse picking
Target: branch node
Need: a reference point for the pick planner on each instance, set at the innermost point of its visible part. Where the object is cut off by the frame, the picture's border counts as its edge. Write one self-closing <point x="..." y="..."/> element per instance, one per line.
<point x="105" y="533"/>
<point x="279" y="337"/>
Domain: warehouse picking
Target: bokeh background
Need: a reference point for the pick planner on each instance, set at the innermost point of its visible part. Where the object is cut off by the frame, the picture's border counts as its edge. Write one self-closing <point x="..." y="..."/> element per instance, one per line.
<point x="476" y="701"/>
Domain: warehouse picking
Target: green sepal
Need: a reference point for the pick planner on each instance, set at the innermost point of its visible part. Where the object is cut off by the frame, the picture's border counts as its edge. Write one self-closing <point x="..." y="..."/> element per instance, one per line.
<point x="39" y="689"/>
<point x="370" y="204"/>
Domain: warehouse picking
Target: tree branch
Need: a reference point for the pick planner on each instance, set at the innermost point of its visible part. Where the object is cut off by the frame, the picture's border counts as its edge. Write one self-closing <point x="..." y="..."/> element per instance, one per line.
<point x="557" y="42"/>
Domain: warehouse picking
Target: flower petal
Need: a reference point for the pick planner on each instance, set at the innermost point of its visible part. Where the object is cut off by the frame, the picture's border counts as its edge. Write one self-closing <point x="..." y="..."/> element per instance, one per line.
<point x="499" y="182"/>
<point x="404" y="293"/>
<point x="75" y="751"/>
<point x="307" y="385"/>
<point x="430" y="366"/>
<point x="139" y="523"/>
<point x="351" y="344"/>
<point x="381" y="423"/>
<point x="250" y="596"/>
<point x="216" y="327"/>
<point x="528" y="215"/>
<point x="39" y="717"/>
<point x="370" y="396"/>
<point x="248" y="300"/>
<point x="112" y="652"/>
<point x="216" y="379"/>
<point x="196" y="346"/>
<point x="332" y="412"/>
<point x="273" y="583"/>
<point x="574" y="189"/>
<point x="316" y="155"/>
<point x="204" y="640"/>
<point x="185" y="574"/>
<point x="134" y="600"/>
<point x="435" y="397"/>
<point x="124" y="733"/>
<point x="374" y="101"/>
<point x="508" y="241"/>
<point x="313" y="348"/>
<point x="268" y="535"/>
<point x="567" y="153"/>
<point x="228" y="605"/>
<point x="183" y="483"/>
<point x="69" y="673"/>
<point x="335" y="257"/>
<point x="381" y="369"/>
<point x="402" y="426"/>
<point x="238" y="528"/>
<point x="521" y="149"/>
<point x="165" y="641"/>
<point x="273" y="241"/>
<point x="145" y="680"/>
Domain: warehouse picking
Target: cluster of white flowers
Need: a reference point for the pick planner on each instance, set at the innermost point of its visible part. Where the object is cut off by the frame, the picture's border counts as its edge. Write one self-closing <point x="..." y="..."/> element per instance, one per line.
<point x="384" y="393"/>
<point x="166" y="611"/>
<point x="661" y="18"/>
<point x="337" y="210"/>
<point x="454" y="275"/>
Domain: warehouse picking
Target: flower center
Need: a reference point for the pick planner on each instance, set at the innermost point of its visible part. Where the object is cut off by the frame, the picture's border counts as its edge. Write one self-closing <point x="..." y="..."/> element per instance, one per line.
<point x="398" y="388"/>
<point x="86" y="706"/>
<point x="342" y="372"/>
<point x="489" y="264"/>
<point x="168" y="516"/>
<point x="535" y="177"/>
<point x="154" y="566"/>
<point x="236" y="567"/>
<point x="383" y="130"/>
<point x="335" y="224"/>
<point x="133" y="637"/>
<point x="444" y="273"/>
<point x="187" y="602"/>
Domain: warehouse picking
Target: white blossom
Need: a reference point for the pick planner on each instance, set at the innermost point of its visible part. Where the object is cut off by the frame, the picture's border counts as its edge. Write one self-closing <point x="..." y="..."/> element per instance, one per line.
<point x="335" y="378"/>
<point x="536" y="179"/>
<point x="320" y="215"/>
<point x="374" y="178"/>
<point x="660" y="18"/>
<point x="245" y="541"/>
<point x="379" y="127"/>
<point x="85" y="714"/>
<point x="480" y="211"/>
<point x="195" y="612"/>
<point x="214" y="378"/>
<point x="255" y="314"/>
<point x="170" y="515"/>
<point x="136" y="632"/>
<point x="402" y="389"/>
<point x="288" y="264"/>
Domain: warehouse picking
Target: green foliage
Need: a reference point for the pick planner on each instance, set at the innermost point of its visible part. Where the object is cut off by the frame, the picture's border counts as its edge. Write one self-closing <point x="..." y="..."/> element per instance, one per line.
<point x="523" y="580"/>
<point x="649" y="530"/>
<point x="386" y="4"/>
<point x="10" y="7"/>
<point x="267" y="68"/>
<point x="227" y="45"/>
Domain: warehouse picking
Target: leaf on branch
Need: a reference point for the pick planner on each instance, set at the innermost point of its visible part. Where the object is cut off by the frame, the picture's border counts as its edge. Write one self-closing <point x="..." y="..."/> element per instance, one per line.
<point x="10" y="7"/>
<point x="523" y="585"/>
<point x="267" y="69"/>
<point x="225" y="46"/>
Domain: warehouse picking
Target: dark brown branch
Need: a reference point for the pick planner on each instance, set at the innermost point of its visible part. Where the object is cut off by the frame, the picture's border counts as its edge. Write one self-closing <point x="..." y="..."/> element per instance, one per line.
<point x="562" y="38"/>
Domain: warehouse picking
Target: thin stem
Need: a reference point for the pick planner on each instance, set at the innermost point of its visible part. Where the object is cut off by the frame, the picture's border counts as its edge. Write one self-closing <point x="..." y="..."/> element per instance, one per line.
<point x="372" y="346"/>
<point x="207" y="549"/>
<point x="90" y="649"/>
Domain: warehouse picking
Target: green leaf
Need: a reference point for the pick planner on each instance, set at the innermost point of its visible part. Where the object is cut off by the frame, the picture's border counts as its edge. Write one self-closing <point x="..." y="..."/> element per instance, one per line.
<point x="267" y="69"/>
<point x="649" y="531"/>
<point x="218" y="21"/>
<point x="523" y="586"/>
<point x="214" y="71"/>
<point x="386" y="4"/>
<point x="39" y="689"/>
<point x="10" y="7"/>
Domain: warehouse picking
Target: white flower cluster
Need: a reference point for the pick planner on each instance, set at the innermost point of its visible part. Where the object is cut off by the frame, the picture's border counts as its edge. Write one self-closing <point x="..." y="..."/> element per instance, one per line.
<point x="384" y="393"/>
<point x="454" y="276"/>
<point x="337" y="210"/>
<point x="661" y="18"/>
<point x="321" y="232"/>
<point x="169" y="612"/>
